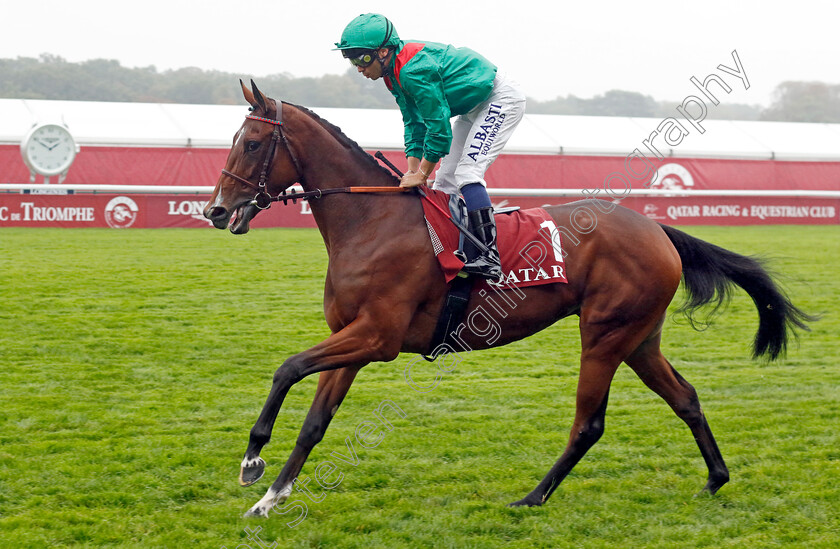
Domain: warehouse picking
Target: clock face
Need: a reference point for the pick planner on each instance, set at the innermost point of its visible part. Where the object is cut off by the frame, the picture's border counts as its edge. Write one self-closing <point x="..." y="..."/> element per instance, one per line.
<point x="49" y="149"/>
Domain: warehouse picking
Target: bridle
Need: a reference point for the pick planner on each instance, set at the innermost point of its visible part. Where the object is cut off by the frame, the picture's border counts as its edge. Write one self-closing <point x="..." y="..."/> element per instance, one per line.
<point x="262" y="200"/>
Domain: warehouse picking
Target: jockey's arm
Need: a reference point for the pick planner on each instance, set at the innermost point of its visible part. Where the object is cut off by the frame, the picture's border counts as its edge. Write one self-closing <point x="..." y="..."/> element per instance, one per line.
<point x="413" y="163"/>
<point x="418" y="173"/>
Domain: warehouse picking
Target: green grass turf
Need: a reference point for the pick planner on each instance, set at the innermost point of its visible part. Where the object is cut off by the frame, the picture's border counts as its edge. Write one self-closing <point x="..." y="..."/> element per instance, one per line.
<point x="135" y="362"/>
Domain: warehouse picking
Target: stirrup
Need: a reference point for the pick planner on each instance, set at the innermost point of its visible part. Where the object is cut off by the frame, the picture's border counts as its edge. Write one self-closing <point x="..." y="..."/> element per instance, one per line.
<point x="483" y="267"/>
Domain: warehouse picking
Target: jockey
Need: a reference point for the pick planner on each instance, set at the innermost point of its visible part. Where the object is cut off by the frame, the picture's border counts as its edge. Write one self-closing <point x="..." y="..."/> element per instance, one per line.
<point x="432" y="83"/>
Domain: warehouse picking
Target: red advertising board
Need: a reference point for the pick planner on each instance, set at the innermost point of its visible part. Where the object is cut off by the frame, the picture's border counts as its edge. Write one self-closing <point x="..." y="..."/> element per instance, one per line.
<point x="201" y="167"/>
<point x="129" y="211"/>
<point x="708" y="210"/>
<point x="154" y="211"/>
<point x="100" y="165"/>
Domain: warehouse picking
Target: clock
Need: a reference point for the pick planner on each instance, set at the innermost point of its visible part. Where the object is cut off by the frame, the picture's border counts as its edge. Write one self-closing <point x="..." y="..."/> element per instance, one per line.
<point x="48" y="149"/>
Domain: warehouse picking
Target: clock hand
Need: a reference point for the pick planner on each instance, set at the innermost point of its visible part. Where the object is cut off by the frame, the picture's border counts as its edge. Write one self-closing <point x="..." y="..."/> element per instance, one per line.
<point x="43" y="144"/>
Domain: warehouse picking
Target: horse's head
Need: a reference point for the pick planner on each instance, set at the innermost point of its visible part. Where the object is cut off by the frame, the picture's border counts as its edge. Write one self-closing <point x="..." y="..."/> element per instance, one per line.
<point x="260" y="164"/>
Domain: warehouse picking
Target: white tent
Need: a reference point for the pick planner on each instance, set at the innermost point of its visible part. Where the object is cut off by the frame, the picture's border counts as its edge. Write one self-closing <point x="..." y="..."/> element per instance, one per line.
<point x="213" y="126"/>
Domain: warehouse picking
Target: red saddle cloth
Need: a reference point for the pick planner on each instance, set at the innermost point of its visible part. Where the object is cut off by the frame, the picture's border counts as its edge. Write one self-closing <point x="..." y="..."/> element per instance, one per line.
<point x="528" y="240"/>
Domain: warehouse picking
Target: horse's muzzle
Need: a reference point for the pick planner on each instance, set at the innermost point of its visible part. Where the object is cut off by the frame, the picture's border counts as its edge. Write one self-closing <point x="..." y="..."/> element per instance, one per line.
<point x="218" y="215"/>
<point x="237" y="221"/>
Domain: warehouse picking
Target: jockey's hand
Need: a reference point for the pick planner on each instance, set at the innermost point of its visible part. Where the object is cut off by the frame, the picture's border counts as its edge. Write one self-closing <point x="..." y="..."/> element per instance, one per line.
<point x="413" y="179"/>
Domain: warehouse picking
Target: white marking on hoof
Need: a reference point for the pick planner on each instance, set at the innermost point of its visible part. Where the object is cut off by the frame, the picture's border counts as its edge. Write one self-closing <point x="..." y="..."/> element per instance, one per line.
<point x="262" y="507"/>
<point x="269" y="500"/>
<point x="284" y="494"/>
<point x="252" y="462"/>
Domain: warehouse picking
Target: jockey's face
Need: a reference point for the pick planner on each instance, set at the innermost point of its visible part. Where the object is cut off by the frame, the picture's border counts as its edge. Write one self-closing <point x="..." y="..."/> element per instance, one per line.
<point x="374" y="70"/>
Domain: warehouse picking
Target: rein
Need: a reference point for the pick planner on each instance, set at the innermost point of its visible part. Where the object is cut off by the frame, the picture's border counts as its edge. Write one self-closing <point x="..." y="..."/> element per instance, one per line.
<point x="263" y="199"/>
<point x="294" y="196"/>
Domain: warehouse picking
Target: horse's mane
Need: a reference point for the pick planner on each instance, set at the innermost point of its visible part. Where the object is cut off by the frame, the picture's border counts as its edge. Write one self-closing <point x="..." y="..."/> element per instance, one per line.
<point x="342" y="138"/>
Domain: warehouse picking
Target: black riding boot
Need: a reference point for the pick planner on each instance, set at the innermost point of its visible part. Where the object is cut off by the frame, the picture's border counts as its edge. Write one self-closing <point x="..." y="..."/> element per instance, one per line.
<point x="485" y="265"/>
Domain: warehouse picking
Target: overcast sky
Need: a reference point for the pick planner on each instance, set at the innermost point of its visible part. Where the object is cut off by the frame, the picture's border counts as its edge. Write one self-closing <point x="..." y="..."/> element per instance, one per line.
<point x="553" y="48"/>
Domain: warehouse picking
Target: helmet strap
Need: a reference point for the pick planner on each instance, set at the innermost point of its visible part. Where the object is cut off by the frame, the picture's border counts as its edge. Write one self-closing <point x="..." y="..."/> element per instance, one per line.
<point x="387" y="68"/>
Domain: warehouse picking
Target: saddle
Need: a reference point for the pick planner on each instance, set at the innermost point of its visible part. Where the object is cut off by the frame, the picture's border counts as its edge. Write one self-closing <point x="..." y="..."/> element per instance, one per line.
<point x="529" y="245"/>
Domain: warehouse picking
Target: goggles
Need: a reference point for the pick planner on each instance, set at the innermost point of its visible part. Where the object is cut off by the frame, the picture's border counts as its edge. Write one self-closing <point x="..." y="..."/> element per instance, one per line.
<point x="363" y="60"/>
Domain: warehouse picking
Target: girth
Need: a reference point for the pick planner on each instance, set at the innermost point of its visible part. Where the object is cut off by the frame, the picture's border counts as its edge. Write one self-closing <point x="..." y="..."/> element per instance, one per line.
<point x="452" y="314"/>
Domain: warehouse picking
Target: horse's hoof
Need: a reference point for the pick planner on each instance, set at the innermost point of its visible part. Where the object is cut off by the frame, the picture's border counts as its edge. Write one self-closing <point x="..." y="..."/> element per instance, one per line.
<point x="269" y="500"/>
<point x="251" y="471"/>
<point x="527" y="501"/>
<point x="707" y="491"/>
<point x="714" y="484"/>
<point x="256" y="511"/>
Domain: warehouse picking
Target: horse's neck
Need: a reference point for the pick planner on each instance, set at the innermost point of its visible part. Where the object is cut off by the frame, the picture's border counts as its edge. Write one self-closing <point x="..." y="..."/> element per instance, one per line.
<point x="330" y="162"/>
<point x="342" y="217"/>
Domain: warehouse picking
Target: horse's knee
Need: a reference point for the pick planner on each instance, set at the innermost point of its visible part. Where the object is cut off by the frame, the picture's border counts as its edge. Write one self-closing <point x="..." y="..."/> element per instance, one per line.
<point x="312" y="433"/>
<point x="309" y="440"/>
<point x="288" y="373"/>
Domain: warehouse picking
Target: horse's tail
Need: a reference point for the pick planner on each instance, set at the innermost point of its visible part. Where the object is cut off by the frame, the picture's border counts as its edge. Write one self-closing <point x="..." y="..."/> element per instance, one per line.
<point x="709" y="271"/>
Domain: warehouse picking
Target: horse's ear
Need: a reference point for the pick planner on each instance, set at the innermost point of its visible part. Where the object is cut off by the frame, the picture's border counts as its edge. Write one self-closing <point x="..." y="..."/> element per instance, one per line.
<point x="249" y="97"/>
<point x="261" y="99"/>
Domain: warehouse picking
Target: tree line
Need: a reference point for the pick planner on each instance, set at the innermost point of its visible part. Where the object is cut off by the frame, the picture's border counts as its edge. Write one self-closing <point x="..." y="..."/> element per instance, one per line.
<point x="52" y="77"/>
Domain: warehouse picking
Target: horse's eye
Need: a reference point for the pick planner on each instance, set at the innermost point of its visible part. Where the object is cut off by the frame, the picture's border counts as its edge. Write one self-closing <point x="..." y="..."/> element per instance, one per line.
<point x="251" y="146"/>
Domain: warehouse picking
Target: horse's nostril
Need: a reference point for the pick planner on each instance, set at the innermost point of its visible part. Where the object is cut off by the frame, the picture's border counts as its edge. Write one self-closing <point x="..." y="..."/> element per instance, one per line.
<point x="215" y="212"/>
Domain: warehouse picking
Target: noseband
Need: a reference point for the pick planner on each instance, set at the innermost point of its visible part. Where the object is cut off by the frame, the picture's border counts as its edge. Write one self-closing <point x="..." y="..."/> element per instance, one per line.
<point x="262" y="199"/>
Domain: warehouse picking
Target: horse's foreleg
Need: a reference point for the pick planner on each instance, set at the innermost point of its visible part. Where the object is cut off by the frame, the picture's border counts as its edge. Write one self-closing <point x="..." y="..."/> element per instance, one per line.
<point x="350" y="347"/>
<point x="332" y="388"/>
<point x="253" y="466"/>
<point x="353" y="347"/>
<point x="658" y="374"/>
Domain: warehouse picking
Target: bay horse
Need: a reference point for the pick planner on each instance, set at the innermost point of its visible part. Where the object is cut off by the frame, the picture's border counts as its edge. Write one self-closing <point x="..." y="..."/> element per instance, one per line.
<point x="384" y="289"/>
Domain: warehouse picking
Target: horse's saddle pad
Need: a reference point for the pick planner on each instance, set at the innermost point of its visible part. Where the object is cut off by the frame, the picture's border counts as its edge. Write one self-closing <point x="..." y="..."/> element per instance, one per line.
<point x="529" y="242"/>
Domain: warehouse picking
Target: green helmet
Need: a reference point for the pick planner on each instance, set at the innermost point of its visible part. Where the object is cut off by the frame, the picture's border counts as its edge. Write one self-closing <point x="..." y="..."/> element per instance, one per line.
<point x="369" y="31"/>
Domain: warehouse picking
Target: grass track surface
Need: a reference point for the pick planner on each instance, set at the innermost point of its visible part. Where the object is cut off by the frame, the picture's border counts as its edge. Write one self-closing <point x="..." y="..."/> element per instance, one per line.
<point x="135" y="362"/>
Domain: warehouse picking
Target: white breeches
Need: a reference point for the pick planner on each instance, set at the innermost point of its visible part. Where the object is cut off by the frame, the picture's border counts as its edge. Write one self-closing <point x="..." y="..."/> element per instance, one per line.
<point x="479" y="136"/>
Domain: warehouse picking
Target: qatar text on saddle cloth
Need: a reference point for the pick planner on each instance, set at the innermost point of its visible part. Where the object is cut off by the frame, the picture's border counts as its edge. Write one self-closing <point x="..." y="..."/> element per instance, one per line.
<point x="528" y="240"/>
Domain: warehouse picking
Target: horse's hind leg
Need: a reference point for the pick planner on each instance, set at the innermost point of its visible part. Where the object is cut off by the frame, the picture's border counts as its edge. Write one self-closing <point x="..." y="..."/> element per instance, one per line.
<point x="658" y="374"/>
<point x="596" y="373"/>
<point x="607" y="338"/>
